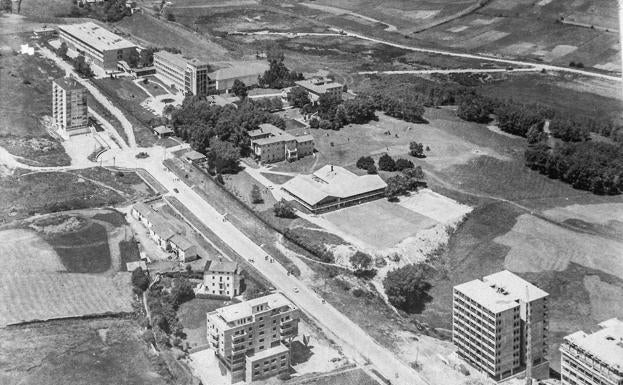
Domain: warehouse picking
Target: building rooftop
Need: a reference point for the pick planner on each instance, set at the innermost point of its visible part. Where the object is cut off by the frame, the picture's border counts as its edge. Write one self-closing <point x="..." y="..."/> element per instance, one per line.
<point x="194" y="155"/>
<point x="181" y="242"/>
<point x="68" y="84"/>
<point x="304" y="138"/>
<point x="163" y="231"/>
<point x="605" y="344"/>
<point x="161" y="130"/>
<point x="275" y="350"/>
<point x="179" y="60"/>
<point x="332" y="181"/>
<point x="276" y="135"/>
<point x="143" y="209"/>
<point x="239" y="70"/>
<point x="97" y="37"/>
<point x="221" y="266"/>
<point x="245" y="309"/>
<point x="490" y="298"/>
<point x="517" y="287"/>
<point x="318" y="85"/>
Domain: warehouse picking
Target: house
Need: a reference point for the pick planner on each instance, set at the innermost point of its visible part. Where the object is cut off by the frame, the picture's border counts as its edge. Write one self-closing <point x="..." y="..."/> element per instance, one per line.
<point x="183" y="248"/>
<point x="193" y="156"/>
<point x="45" y="32"/>
<point x="162" y="131"/>
<point x="272" y="144"/>
<point x="317" y="87"/>
<point x="221" y="279"/>
<point x="333" y="187"/>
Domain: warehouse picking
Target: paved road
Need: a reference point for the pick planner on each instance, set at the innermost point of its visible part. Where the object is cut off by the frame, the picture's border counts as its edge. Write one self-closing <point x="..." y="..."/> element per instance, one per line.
<point x="451" y="71"/>
<point x="354" y="341"/>
<point x="125" y="123"/>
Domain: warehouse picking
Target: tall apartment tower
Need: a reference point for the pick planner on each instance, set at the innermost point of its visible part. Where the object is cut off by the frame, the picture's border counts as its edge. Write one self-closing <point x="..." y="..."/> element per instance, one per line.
<point x="251" y="338"/>
<point x="593" y="359"/>
<point x="489" y="321"/>
<point x="69" y="107"/>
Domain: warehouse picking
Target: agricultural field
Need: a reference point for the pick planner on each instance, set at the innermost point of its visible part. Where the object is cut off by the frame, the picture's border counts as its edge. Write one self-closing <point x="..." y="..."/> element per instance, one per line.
<point x="75" y="260"/>
<point x="72" y="352"/>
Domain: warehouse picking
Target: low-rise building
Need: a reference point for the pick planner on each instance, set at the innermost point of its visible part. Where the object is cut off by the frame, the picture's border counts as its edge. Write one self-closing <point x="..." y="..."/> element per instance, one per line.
<point x="193" y="156"/>
<point x="272" y="144"/>
<point x="185" y="250"/>
<point x="334" y="187"/>
<point x="221" y="279"/>
<point x="162" y="131"/>
<point x="98" y="45"/>
<point x="69" y="107"/>
<point x="317" y="87"/>
<point x="187" y="75"/>
<point x="222" y="80"/>
<point x="593" y="359"/>
<point x="490" y="325"/>
<point x="45" y="32"/>
<point x="250" y="338"/>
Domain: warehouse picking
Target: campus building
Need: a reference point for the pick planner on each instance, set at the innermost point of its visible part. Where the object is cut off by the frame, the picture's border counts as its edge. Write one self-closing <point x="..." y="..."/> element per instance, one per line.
<point x="489" y="321"/>
<point x="272" y="144"/>
<point x="593" y="359"/>
<point x="98" y="45"/>
<point x="334" y="187"/>
<point x="69" y="107"/>
<point x="316" y="87"/>
<point x="187" y="75"/>
<point x="221" y="279"/>
<point x="222" y="80"/>
<point x="250" y="338"/>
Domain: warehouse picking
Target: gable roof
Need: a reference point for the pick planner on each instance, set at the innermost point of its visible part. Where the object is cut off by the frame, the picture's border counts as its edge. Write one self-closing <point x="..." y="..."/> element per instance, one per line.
<point x="221" y="266"/>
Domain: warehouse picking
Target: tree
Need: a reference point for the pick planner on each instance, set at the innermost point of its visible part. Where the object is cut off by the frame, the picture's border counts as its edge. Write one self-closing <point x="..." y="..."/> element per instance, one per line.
<point x="402" y="164"/>
<point x="140" y="280"/>
<point x="239" y="89"/>
<point x="62" y="51"/>
<point x="314" y="123"/>
<point x="181" y="291"/>
<point x="372" y="169"/>
<point x="365" y="162"/>
<point x="325" y="125"/>
<point x="475" y="109"/>
<point x="170" y="16"/>
<point x="396" y="185"/>
<point x="223" y="156"/>
<point x="133" y="59"/>
<point x="407" y="288"/>
<point x="256" y="195"/>
<point x="298" y="97"/>
<point x="82" y="67"/>
<point x="277" y="75"/>
<point x="284" y="209"/>
<point x="386" y="163"/>
<point x="416" y="149"/>
<point x="360" y="261"/>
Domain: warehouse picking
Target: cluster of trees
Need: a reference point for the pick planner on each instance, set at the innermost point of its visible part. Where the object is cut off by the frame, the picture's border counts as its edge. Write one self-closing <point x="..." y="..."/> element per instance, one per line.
<point x="223" y="157"/>
<point x="406" y="288"/>
<point x="109" y="11"/>
<point x="278" y="75"/>
<point x="284" y="209"/>
<point x="367" y="163"/>
<point x="387" y="163"/>
<point x="362" y="265"/>
<point x="475" y="108"/>
<point x="268" y="104"/>
<point x="334" y="113"/>
<point x="146" y="57"/>
<point x="404" y="105"/>
<point x="410" y="179"/>
<point x="417" y="149"/>
<point x="592" y="166"/>
<point x="429" y="93"/>
<point x="79" y="62"/>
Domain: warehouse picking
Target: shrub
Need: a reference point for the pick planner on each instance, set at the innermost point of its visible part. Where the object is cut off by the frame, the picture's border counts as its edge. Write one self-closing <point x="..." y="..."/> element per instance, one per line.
<point x="358" y="292"/>
<point x="314" y="123"/>
<point x="372" y="170"/>
<point x="284" y="209"/>
<point x="407" y="288"/>
<point x="386" y="163"/>
<point x="416" y="149"/>
<point x="256" y="195"/>
<point x="140" y="280"/>
<point x="402" y="164"/>
<point x="365" y="162"/>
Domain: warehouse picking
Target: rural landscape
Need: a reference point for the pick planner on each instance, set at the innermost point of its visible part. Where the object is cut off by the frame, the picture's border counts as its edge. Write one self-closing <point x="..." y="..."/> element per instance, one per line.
<point x="311" y="192"/>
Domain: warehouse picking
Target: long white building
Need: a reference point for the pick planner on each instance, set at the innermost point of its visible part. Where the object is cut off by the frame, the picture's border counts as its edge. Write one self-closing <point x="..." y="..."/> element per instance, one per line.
<point x="593" y="359"/>
<point x="187" y="75"/>
<point x="489" y="325"/>
<point x="98" y="45"/>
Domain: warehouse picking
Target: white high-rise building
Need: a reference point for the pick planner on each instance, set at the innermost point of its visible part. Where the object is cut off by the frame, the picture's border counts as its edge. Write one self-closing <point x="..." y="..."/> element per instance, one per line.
<point x="69" y="107"/>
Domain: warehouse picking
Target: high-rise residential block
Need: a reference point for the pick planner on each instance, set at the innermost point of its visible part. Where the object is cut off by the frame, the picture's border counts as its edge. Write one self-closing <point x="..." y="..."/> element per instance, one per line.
<point x="69" y="106"/>
<point x="251" y="338"/>
<point x="593" y="359"/>
<point x="489" y="325"/>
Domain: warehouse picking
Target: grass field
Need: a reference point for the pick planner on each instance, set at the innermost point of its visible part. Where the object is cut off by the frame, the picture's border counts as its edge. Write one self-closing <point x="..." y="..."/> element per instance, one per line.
<point x="83" y="251"/>
<point x="107" y="351"/>
<point x="192" y="315"/>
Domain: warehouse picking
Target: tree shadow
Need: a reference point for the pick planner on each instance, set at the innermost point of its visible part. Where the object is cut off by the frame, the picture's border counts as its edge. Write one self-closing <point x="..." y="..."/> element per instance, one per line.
<point x="300" y="353"/>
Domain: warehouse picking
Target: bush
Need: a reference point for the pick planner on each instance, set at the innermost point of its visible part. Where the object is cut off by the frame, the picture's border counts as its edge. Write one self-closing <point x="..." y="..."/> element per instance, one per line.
<point x="407" y="288"/>
<point x="402" y="164"/>
<point x="365" y="162"/>
<point x="314" y="123"/>
<point x="358" y="292"/>
<point x="219" y="179"/>
<point x="386" y="163"/>
<point x="140" y="280"/>
<point x="416" y="149"/>
<point x="284" y="209"/>
<point x="181" y="291"/>
<point x="372" y="170"/>
<point x="256" y="195"/>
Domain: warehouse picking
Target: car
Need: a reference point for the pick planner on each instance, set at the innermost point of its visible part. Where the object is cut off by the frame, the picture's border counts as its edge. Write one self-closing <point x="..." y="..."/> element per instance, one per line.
<point x="176" y="190"/>
<point x="296" y="289"/>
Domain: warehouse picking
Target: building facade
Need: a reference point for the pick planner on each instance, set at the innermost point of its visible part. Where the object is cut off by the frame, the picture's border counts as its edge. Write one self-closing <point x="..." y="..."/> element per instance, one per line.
<point x="187" y="75"/>
<point x="221" y="279"/>
<point x="69" y="107"/>
<point x="250" y="338"/>
<point x="489" y="325"/>
<point x="317" y="87"/>
<point x="272" y="144"/>
<point x="222" y="80"/>
<point x="98" y="45"/>
<point x="593" y="359"/>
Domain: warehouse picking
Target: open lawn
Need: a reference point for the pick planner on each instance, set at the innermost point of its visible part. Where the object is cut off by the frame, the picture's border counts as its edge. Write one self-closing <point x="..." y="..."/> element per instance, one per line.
<point x="240" y="185"/>
<point x="107" y="351"/>
<point x="83" y="251"/>
<point x="192" y="315"/>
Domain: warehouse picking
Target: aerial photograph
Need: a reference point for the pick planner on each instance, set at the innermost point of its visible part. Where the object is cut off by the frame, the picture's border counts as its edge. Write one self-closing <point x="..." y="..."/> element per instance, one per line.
<point x="311" y="192"/>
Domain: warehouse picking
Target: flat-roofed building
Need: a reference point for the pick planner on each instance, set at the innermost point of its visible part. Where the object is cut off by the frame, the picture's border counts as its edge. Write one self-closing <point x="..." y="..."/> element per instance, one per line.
<point x="489" y="325"/>
<point x="272" y="144"/>
<point x="334" y="187"/>
<point x="222" y="80"/>
<point x="69" y="107"/>
<point x="99" y="46"/>
<point x="250" y="338"/>
<point x="187" y="75"/>
<point x="593" y="359"/>
<point x="316" y="87"/>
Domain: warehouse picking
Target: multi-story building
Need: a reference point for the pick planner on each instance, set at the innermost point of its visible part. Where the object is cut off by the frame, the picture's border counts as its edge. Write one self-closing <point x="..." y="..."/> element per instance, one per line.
<point x="187" y="75"/>
<point x="222" y="80"/>
<point x="489" y="321"/>
<point x="98" y="45"/>
<point x="69" y="107"/>
<point x="593" y="359"/>
<point x="251" y="338"/>
<point x="272" y="144"/>
<point x="222" y="279"/>
<point x="316" y="87"/>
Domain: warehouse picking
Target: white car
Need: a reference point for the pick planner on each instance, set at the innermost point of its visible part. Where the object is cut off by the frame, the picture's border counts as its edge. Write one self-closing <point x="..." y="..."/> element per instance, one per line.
<point x="296" y="289"/>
